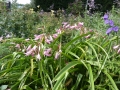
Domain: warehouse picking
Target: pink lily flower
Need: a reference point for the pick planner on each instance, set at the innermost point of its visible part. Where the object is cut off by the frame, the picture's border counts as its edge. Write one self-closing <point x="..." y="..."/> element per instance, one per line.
<point x="49" y="40"/>
<point x="47" y="52"/>
<point x="30" y="52"/>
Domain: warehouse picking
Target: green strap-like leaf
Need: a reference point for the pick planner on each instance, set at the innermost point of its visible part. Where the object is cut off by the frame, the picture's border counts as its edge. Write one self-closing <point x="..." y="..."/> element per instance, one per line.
<point x="90" y="45"/>
<point x="58" y="83"/>
<point x="75" y="39"/>
<point x="65" y="69"/>
<point x="79" y="77"/>
<point x="111" y="80"/>
<point x="91" y="77"/>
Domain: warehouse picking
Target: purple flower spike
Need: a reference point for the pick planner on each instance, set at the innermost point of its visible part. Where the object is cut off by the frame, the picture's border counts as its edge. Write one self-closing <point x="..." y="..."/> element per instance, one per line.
<point x="105" y="17"/>
<point x="111" y="23"/>
<point x="109" y="31"/>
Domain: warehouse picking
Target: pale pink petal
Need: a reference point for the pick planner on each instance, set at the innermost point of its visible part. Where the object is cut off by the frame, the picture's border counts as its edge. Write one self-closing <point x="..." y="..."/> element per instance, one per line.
<point x="8" y="36"/>
<point x="17" y="46"/>
<point x="30" y="52"/>
<point x="39" y="37"/>
<point x="58" y="31"/>
<point x="80" y="24"/>
<point x="34" y="48"/>
<point x="72" y="27"/>
<point x="57" y="54"/>
<point x="29" y="47"/>
<point x="33" y="53"/>
<point x="50" y="38"/>
<point x="38" y="56"/>
<point x="88" y="36"/>
<point x="47" y="52"/>
<point x="76" y="26"/>
<point x="64" y="23"/>
<point x="118" y="50"/>
<point x="48" y="41"/>
<point x="55" y="35"/>
<point x="67" y="26"/>
<point x="116" y="47"/>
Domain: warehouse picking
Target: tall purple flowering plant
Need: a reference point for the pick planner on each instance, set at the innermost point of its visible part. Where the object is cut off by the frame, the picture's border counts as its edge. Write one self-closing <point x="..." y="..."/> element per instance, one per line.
<point x="112" y="27"/>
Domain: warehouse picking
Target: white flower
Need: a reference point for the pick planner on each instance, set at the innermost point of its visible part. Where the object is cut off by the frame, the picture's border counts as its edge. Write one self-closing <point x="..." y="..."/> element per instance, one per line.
<point x="38" y="56"/>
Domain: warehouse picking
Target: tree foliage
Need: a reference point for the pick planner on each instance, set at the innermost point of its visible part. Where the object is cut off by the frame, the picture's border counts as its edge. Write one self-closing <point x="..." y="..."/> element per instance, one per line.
<point x="47" y="5"/>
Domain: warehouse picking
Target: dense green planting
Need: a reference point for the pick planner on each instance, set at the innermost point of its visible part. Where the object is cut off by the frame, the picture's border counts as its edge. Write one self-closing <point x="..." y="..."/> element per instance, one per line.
<point x="44" y="52"/>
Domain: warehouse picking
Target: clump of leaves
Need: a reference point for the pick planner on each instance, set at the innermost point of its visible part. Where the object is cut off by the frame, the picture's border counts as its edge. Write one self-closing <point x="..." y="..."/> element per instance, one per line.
<point x="5" y="49"/>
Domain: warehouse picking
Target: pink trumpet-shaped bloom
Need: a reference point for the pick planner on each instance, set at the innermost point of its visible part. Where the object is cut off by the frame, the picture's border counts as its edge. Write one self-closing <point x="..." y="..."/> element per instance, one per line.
<point x="57" y="54"/>
<point x="55" y="35"/>
<point x="67" y="26"/>
<point x="64" y="23"/>
<point x="58" y="31"/>
<point x="30" y="52"/>
<point x="37" y="37"/>
<point x="49" y="40"/>
<point x="72" y="27"/>
<point x="29" y="47"/>
<point x="17" y="46"/>
<point x="80" y="24"/>
<point x="47" y="52"/>
<point x="34" y="48"/>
